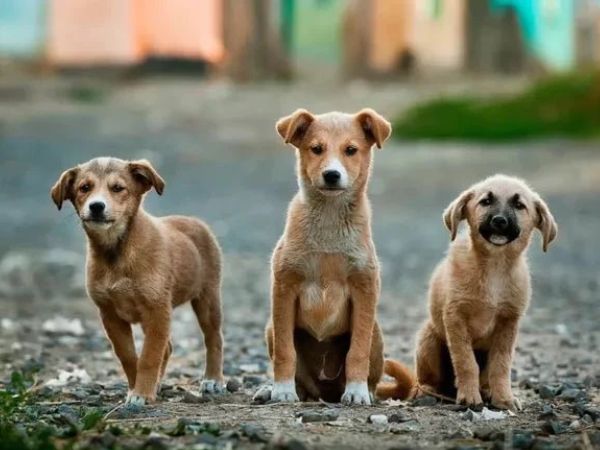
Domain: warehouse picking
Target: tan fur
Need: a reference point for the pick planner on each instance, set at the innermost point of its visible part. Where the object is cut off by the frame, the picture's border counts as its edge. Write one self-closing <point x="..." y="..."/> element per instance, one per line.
<point x="477" y="296"/>
<point x="403" y="385"/>
<point x="325" y="274"/>
<point x="140" y="267"/>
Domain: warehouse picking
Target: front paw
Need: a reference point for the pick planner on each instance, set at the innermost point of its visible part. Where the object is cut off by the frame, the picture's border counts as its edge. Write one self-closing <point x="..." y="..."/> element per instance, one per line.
<point x="212" y="387"/>
<point x="506" y="401"/>
<point x="356" y="393"/>
<point x="469" y="396"/>
<point x="284" y="392"/>
<point x="135" y="399"/>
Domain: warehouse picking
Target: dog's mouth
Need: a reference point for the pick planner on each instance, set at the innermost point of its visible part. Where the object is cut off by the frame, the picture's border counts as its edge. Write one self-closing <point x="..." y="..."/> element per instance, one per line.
<point x="97" y="221"/>
<point x="331" y="191"/>
<point x="499" y="239"/>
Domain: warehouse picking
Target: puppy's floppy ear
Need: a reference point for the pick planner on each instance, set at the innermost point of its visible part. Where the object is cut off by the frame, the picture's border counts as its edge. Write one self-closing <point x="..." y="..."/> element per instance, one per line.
<point x="63" y="188"/>
<point x="377" y="130"/>
<point x="144" y="173"/>
<point x="293" y="127"/>
<point x="545" y="223"/>
<point x="455" y="212"/>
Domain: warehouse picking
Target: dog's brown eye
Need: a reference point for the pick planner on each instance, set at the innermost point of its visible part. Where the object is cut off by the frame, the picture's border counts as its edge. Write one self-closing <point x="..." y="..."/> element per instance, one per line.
<point x="316" y="149"/>
<point x="520" y="205"/>
<point x="85" y="188"/>
<point x="117" y="188"/>
<point x="351" y="150"/>
<point x="485" y="201"/>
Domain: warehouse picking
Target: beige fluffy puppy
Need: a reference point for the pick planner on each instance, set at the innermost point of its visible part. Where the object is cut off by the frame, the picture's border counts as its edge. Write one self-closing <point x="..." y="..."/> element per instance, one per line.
<point x="480" y="291"/>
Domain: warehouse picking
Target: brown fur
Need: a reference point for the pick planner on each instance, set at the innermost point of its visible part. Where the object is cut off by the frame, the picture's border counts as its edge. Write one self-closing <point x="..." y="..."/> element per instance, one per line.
<point x="403" y="385"/>
<point x="477" y="296"/>
<point x="140" y="267"/>
<point x="325" y="274"/>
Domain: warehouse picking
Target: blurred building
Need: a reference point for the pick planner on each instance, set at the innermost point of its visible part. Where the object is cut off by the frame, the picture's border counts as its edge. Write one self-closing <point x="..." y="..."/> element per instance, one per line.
<point x="249" y="39"/>
<point x="22" y="28"/>
<point x="88" y="32"/>
<point x="111" y="32"/>
<point x="483" y="35"/>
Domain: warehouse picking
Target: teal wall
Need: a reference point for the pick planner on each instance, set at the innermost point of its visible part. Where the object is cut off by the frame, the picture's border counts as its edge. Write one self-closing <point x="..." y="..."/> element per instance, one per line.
<point x="548" y="28"/>
<point x="22" y="27"/>
<point x="312" y="28"/>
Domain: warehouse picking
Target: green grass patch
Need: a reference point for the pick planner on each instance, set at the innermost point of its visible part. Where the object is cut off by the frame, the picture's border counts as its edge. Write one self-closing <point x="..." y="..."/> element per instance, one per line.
<point x="567" y="105"/>
<point x="25" y="425"/>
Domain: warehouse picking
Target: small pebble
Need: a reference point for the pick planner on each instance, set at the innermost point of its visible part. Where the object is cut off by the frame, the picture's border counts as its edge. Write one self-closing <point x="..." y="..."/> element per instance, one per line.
<point x="378" y="419"/>
<point x="190" y="397"/>
<point x="553" y="427"/>
<point x="397" y="418"/>
<point x="262" y="396"/>
<point x="327" y="415"/>
<point x="571" y="395"/>
<point x="546" y="391"/>
<point x="255" y="432"/>
<point x="425" y="400"/>
<point x="547" y="413"/>
<point x="282" y="442"/>
<point x="233" y="385"/>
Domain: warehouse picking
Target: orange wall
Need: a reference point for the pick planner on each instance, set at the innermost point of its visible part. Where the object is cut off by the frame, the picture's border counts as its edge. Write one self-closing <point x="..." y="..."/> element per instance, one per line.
<point x="88" y="32"/>
<point x="184" y="28"/>
<point x="92" y="32"/>
<point x="393" y="22"/>
<point x="439" y="42"/>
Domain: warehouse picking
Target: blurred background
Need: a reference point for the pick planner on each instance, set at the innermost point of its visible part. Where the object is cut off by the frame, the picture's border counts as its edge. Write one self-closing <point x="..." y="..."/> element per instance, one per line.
<point x="253" y="39"/>
<point x="472" y="88"/>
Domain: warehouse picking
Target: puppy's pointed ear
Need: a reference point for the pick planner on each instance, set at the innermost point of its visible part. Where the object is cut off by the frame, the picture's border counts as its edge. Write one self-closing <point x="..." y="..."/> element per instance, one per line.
<point x="455" y="212"/>
<point x="147" y="176"/>
<point x="377" y="130"/>
<point x="545" y="223"/>
<point x="63" y="188"/>
<point x="293" y="127"/>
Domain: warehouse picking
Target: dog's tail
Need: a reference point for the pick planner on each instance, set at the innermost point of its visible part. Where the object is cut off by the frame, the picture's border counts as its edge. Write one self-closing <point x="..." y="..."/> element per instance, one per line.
<point x="404" y="385"/>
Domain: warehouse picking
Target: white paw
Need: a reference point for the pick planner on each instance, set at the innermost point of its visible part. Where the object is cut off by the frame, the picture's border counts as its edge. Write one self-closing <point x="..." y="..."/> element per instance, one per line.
<point x="284" y="391"/>
<point x="135" y="400"/>
<point x="212" y="387"/>
<point x="356" y="393"/>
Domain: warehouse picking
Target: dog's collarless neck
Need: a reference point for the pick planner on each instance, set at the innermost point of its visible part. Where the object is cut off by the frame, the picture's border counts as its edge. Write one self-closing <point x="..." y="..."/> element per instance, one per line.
<point x="113" y="251"/>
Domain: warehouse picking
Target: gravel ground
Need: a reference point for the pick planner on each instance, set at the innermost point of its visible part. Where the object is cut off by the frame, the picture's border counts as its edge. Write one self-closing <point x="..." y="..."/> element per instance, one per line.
<point x="215" y="145"/>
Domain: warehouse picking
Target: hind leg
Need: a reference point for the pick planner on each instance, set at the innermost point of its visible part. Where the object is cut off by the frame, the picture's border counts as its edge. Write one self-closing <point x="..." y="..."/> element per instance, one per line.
<point x="484" y="384"/>
<point x="429" y="361"/>
<point x="208" y="311"/>
<point x="306" y="387"/>
<point x="163" y="366"/>
<point x="165" y="361"/>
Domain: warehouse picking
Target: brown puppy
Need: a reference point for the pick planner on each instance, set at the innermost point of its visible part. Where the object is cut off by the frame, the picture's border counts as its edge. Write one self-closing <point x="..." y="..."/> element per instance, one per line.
<point x="140" y="267"/>
<point x="323" y="337"/>
<point x="480" y="291"/>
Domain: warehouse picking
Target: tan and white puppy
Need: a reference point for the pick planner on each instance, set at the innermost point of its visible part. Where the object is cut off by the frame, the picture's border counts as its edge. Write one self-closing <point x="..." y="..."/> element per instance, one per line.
<point x="480" y="291"/>
<point x="140" y="267"/>
<point x="323" y="337"/>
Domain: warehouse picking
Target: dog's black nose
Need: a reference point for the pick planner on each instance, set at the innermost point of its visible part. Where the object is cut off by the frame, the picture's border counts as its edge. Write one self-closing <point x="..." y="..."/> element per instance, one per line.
<point x="331" y="177"/>
<point x="499" y="223"/>
<point x="97" y="208"/>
